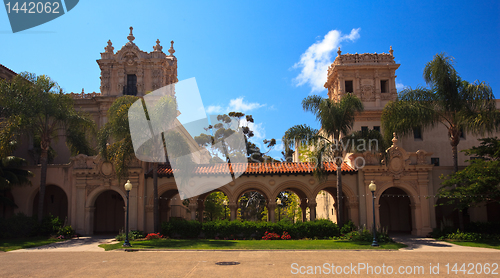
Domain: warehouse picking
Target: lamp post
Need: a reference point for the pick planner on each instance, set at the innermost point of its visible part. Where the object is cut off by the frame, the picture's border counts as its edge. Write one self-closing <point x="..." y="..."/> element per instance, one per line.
<point x="372" y="188"/>
<point x="279" y="212"/>
<point x="225" y="208"/>
<point x="128" y="187"/>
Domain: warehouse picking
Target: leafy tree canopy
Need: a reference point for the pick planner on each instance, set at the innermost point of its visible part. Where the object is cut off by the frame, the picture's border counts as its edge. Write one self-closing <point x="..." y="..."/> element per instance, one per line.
<point x="221" y="131"/>
<point x="480" y="181"/>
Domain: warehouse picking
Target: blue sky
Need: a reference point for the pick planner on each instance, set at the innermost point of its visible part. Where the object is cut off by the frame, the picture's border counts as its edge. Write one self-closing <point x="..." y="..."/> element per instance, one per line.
<point x="261" y="57"/>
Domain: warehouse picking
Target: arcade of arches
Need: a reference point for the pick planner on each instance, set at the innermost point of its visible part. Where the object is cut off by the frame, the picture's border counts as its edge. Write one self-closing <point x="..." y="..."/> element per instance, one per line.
<point x="94" y="201"/>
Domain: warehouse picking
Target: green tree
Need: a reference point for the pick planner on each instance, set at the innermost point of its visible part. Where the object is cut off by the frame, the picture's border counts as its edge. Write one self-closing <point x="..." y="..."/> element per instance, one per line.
<point x="37" y="106"/>
<point x="455" y="103"/>
<point x="479" y="182"/>
<point x="337" y="120"/>
<point x="215" y="208"/>
<point x="121" y="150"/>
<point x="219" y="132"/>
<point x="114" y="138"/>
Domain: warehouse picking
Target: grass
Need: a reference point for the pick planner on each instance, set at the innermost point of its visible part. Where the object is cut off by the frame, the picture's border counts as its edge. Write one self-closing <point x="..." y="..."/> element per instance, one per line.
<point x="212" y="244"/>
<point x="21" y="243"/>
<point x="484" y="244"/>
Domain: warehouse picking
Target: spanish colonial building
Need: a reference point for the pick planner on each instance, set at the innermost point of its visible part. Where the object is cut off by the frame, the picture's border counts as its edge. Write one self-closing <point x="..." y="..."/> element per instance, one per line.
<point x="85" y="191"/>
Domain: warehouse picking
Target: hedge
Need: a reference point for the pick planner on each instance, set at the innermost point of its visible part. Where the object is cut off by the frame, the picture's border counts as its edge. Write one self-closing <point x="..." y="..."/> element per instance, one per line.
<point x="248" y="229"/>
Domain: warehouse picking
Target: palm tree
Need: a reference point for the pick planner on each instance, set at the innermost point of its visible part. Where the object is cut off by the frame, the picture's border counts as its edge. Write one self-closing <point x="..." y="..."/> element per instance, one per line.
<point x="337" y="120"/>
<point x="121" y="151"/>
<point x="455" y="103"/>
<point x="37" y="106"/>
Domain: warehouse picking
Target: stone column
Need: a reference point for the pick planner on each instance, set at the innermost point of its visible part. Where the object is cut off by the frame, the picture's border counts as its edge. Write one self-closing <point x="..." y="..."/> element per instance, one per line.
<point x="354" y="212"/>
<point x="79" y="219"/>
<point x="416" y="216"/>
<point x="201" y="208"/>
<point x="303" y="207"/>
<point x="423" y="183"/>
<point x="362" y="198"/>
<point x="233" y="209"/>
<point x="133" y="202"/>
<point x="89" y="219"/>
<point x="312" y="210"/>
<point x="271" y="206"/>
<point x="193" y="204"/>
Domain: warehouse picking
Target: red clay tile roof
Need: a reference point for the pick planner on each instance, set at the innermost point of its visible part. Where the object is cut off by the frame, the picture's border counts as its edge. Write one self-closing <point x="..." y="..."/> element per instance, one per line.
<point x="285" y="168"/>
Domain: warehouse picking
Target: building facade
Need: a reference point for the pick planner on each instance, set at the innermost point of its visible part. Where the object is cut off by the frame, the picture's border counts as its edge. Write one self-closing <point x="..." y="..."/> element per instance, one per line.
<point x="85" y="190"/>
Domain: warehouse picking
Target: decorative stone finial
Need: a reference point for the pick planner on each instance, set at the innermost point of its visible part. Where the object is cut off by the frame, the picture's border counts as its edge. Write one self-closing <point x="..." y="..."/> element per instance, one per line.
<point x="109" y="48"/>
<point x="394" y="139"/>
<point x="391" y="51"/>
<point x="339" y="52"/>
<point x="157" y="47"/>
<point x="171" y="50"/>
<point x="131" y="36"/>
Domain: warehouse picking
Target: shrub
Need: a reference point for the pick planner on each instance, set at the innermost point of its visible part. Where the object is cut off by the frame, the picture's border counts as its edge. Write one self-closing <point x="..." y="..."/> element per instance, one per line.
<point x="179" y="228"/>
<point x="363" y="234"/>
<point x="285" y="236"/>
<point x="21" y="225"/>
<point x="270" y="236"/>
<point x="153" y="236"/>
<point x="50" y="226"/>
<point x="474" y="231"/>
<point x="18" y="225"/>
<point x="348" y="227"/>
<point x="66" y="232"/>
<point x="248" y="229"/>
<point x="132" y="235"/>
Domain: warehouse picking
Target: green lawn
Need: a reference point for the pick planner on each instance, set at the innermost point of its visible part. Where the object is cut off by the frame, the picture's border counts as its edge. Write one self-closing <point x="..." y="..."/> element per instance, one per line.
<point x="485" y="244"/>
<point x="20" y="243"/>
<point x="249" y="244"/>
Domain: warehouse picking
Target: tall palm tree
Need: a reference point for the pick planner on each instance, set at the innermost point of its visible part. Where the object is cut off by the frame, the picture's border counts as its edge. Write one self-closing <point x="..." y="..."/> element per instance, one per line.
<point x="337" y="120"/>
<point x="37" y="106"/>
<point x="455" y="103"/>
<point x="121" y="150"/>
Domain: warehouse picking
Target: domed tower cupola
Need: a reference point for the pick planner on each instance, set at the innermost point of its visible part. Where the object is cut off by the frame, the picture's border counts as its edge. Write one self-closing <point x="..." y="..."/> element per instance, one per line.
<point x="131" y="71"/>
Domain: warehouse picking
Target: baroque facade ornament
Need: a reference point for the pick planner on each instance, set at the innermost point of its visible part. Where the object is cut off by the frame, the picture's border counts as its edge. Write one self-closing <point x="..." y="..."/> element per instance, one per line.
<point x="398" y="159"/>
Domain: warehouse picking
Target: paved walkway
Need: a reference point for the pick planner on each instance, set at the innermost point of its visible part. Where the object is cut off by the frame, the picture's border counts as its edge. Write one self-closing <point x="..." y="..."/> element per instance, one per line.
<point x="81" y="244"/>
<point x="423" y="244"/>
<point x="415" y="244"/>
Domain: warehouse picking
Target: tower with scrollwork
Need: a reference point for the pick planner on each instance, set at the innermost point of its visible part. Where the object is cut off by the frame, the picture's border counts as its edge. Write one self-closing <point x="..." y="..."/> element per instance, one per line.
<point x="369" y="76"/>
<point x="131" y="71"/>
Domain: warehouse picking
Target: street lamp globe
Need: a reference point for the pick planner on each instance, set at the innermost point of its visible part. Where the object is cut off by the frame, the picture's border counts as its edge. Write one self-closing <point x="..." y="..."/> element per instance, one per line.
<point x="278" y="202"/>
<point x="128" y="186"/>
<point x="372" y="186"/>
<point x="224" y="202"/>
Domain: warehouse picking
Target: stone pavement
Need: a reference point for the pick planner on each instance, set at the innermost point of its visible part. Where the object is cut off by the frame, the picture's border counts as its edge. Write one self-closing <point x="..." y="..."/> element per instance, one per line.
<point x="81" y="244"/>
<point x="82" y="258"/>
<point x="423" y="244"/>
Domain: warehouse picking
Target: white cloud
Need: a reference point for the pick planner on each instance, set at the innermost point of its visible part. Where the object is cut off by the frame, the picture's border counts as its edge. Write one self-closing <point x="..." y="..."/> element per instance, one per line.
<point x="315" y="61"/>
<point x="213" y="109"/>
<point x="238" y="104"/>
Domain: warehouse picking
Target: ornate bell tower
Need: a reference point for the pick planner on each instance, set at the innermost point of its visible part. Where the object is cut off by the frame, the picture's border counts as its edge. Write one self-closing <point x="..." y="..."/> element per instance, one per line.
<point x="370" y="76"/>
<point x="131" y="71"/>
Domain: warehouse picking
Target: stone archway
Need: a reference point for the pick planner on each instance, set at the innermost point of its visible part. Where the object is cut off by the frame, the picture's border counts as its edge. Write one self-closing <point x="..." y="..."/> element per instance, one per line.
<point x="326" y="207"/>
<point x="170" y="206"/>
<point x="395" y="211"/>
<point x="301" y="190"/>
<point x="350" y="202"/>
<point x="109" y="212"/>
<point x="55" y="202"/>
